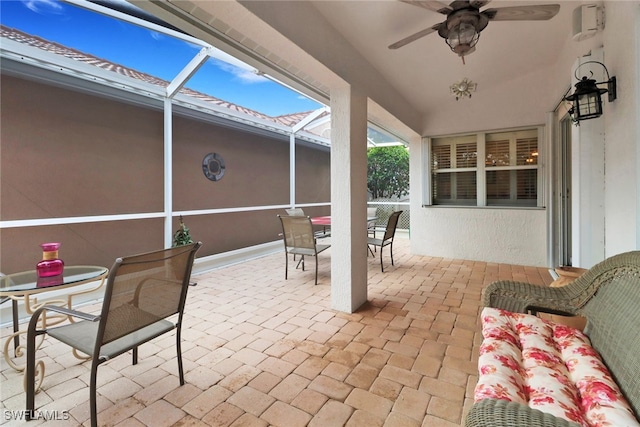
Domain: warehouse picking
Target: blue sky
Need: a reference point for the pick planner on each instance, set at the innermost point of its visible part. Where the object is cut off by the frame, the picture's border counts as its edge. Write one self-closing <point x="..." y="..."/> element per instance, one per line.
<point x="148" y="51"/>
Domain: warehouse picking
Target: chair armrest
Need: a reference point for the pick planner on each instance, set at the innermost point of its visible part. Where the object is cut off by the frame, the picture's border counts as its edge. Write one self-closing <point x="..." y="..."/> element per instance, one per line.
<point x="32" y="329"/>
<point x="71" y="312"/>
<point x="496" y="412"/>
<point x="521" y="297"/>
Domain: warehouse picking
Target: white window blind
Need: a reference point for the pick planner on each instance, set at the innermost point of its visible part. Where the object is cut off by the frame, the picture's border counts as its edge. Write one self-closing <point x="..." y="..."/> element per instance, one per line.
<point x="497" y="153"/>
<point x="454" y="165"/>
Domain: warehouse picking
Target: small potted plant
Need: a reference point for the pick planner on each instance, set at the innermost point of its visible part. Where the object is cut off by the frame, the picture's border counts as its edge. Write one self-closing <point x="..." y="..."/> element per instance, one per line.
<point x="182" y="236"/>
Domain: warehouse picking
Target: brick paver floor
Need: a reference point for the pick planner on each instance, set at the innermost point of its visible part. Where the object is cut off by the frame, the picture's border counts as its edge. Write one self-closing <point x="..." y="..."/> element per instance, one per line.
<point x="262" y="351"/>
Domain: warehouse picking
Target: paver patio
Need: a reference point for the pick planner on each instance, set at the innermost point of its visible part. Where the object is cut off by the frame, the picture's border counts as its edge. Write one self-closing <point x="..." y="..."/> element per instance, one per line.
<point x="261" y="351"/>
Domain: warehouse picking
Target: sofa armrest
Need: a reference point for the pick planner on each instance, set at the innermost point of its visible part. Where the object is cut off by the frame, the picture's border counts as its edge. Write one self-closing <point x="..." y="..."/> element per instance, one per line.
<point x="520" y="297"/>
<point x="502" y="413"/>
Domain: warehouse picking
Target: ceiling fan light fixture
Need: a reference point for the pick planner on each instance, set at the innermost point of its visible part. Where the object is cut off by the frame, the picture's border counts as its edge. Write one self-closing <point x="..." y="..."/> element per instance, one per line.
<point x="461" y="30"/>
<point x="463" y="88"/>
<point x="462" y="38"/>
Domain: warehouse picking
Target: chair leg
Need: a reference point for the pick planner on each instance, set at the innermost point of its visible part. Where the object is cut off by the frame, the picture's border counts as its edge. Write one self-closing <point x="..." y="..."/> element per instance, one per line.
<point x="286" y="264"/>
<point x="316" y="270"/>
<point x="93" y="390"/>
<point x="30" y="367"/>
<point x="30" y="373"/>
<point x="179" y="350"/>
<point x="381" y="266"/>
<point x="391" y="249"/>
<point x="134" y="360"/>
<point x="14" y="314"/>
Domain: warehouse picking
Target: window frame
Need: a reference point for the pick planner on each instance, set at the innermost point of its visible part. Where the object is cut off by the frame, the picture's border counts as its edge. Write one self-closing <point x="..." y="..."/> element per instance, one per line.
<point x="481" y="168"/>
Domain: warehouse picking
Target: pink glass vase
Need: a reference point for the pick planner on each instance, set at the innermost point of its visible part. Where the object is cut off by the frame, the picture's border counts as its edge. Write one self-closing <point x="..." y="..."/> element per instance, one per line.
<point x="50" y="265"/>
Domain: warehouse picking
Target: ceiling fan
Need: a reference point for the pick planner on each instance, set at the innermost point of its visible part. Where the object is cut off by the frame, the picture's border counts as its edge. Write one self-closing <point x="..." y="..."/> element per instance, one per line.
<point x="464" y="22"/>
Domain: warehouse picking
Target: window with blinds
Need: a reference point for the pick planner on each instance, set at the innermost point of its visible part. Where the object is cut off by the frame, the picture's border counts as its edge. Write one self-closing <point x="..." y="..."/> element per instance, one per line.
<point x="509" y="175"/>
<point x="511" y="163"/>
<point x="454" y="165"/>
<point x="497" y="153"/>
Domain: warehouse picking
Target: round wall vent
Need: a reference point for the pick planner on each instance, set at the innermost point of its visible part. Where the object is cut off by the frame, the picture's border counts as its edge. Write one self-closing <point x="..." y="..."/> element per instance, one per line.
<point x="213" y="166"/>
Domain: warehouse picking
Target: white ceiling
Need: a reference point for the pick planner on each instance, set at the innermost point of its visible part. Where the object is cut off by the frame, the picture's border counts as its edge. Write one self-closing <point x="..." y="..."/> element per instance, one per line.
<point x="323" y="43"/>
<point x="427" y="65"/>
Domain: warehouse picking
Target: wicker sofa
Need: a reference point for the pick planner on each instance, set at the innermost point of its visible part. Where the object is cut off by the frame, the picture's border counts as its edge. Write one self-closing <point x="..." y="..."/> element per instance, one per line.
<point x="608" y="295"/>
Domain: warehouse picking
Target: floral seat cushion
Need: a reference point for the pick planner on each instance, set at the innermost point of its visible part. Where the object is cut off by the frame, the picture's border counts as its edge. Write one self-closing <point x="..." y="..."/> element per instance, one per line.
<point x="549" y="367"/>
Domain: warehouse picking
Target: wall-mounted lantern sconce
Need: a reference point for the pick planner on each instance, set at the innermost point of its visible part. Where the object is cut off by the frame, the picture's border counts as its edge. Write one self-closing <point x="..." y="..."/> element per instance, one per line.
<point x="587" y="98"/>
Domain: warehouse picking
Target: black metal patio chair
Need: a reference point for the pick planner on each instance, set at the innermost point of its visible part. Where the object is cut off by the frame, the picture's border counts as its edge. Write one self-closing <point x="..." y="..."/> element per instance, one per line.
<point x="299" y="239"/>
<point x="142" y="292"/>
<point x="387" y="239"/>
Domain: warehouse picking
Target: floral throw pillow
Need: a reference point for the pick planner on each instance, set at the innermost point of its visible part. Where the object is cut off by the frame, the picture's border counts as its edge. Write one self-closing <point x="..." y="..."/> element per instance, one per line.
<point x="549" y="367"/>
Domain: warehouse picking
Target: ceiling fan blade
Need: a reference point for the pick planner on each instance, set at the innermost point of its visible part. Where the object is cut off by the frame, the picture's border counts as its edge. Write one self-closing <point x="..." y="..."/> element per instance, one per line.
<point x="523" y="13"/>
<point x="433" y="5"/>
<point x="415" y="36"/>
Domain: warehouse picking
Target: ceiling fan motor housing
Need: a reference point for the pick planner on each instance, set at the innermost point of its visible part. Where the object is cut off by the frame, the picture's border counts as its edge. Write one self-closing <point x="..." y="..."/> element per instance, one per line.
<point x="462" y="29"/>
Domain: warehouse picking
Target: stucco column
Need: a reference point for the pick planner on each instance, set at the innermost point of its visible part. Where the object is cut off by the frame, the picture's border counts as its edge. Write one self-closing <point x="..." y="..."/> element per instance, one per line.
<point x="348" y="199"/>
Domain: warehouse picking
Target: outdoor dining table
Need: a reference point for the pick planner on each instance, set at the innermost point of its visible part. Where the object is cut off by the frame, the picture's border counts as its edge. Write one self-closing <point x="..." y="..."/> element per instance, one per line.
<point x="326" y="220"/>
<point x="27" y="286"/>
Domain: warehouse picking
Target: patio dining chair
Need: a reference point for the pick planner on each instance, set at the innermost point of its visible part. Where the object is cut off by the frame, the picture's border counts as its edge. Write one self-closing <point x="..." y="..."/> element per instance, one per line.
<point x="320" y="234"/>
<point x="299" y="239"/>
<point x="142" y="292"/>
<point x="372" y="225"/>
<point x="387" y="239"/>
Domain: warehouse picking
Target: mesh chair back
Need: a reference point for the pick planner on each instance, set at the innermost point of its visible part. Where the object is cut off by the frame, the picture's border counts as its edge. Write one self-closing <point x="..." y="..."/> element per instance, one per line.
<point x="391" y="225"/>
<point x="371" y="213"/>
<point x="298" y="232"/>
<point x="143" y="289"/>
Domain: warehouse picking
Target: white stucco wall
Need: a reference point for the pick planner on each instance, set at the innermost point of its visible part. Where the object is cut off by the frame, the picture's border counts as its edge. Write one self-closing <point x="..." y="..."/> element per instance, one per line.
<point x="622" y="134"/>
<point x="500" y="235"/>
<point x="606" y="150"/>
<point x="511" y="236"/>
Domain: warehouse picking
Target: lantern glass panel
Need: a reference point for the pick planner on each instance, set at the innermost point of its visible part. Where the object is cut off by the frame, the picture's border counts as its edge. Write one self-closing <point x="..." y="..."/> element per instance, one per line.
<point x="589" y="105"/>
<point x="463" y="34"/>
